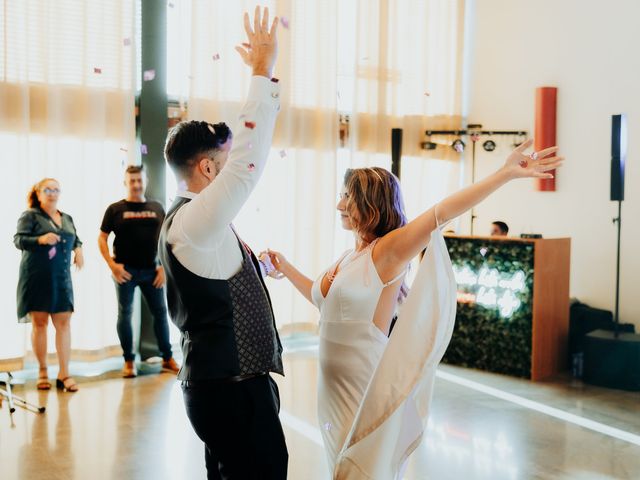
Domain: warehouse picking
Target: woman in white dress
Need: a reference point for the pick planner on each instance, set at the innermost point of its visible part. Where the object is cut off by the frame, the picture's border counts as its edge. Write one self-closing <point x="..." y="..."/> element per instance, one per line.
<point x="374" y="391"/>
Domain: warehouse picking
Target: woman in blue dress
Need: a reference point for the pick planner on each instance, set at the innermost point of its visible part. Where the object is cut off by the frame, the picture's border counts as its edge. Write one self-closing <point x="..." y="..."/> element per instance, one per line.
<point x="47" y="238"/>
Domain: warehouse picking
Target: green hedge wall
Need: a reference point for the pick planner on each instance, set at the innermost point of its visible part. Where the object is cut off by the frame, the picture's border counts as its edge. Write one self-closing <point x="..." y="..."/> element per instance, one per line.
<point x="482" y="338"/>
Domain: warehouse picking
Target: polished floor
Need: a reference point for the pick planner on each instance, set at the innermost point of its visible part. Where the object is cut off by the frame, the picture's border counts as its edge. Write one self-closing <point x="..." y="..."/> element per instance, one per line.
<point x="482" y="426"/>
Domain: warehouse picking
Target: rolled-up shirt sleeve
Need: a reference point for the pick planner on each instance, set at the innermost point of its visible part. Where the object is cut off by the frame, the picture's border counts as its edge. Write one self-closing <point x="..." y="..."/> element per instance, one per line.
<point x="202" y="221"/>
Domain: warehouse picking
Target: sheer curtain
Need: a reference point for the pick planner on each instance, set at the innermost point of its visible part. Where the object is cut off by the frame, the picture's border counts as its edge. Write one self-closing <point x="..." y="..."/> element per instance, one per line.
<point x="373" y="60"/>
<point x="406" y="71"/>
<point x="292" y="209"/>
<point x="66" y="111"/>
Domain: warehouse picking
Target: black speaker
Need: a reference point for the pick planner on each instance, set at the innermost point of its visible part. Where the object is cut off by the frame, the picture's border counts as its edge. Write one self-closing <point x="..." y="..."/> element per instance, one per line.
<point x="612" y="361"/>
<point x="618" y="155"/>
<point x="396" y="150"/>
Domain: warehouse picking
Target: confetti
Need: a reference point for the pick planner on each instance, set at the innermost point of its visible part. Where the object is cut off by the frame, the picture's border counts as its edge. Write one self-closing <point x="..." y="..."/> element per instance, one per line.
<point x="251" y="167"/>
<point x="483" y="251"/>
<point x="250" y="145"/>
<point x="459" y="148"/>
<point x="524" y="163"/>
<point x="126" y="42"/>
<point x="283" y="153"/>
<point x="427" y="94"/>
<point x="250" y="125"/>
<point x="143" y="149"/>
<point x="327" y="426"/>
<point x="216" y="56"/>
<point x="285" y="22"/>
<point x="122" y="149"/>
<point x="211" y="129"/>
<point x="534" y="155"/>
<point x="97" y="70"/>
<point x="52" y="252"/>
<point x="149" y="75"/>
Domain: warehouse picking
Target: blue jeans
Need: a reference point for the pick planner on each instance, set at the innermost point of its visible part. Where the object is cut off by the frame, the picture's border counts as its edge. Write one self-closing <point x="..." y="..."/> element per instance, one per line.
<point x="143" y="278"/>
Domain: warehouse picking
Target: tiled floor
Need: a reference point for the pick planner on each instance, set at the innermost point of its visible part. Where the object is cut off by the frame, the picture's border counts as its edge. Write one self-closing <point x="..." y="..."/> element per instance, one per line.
<point x="482" y="426"/>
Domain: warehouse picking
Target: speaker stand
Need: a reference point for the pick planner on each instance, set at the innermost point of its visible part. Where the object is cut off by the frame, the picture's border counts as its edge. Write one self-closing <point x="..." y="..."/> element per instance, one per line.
<point x="617" y="220"/>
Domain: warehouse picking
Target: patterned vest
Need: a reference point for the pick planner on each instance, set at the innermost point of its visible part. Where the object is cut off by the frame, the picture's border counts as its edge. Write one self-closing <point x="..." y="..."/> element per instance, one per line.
<point x="227" y="326"/>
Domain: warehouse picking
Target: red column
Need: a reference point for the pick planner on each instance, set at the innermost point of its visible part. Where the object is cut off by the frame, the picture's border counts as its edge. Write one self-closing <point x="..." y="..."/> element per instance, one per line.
<point x="545" y="130"/>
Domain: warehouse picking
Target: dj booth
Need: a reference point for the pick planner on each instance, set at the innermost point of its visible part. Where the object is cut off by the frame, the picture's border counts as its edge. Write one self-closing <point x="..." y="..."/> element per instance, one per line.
<point x="513" y="304"/>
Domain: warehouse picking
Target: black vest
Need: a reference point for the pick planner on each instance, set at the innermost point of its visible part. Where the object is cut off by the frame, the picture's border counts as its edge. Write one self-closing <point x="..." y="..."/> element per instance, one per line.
<point x="227" y="326"/>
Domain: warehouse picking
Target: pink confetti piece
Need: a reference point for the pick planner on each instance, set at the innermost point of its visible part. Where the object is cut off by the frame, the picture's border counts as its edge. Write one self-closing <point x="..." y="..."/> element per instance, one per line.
<point x="250" y="145"/>
<point x="459" y="148"/>
<point x="211" y="129"/>
<point x="143" y="149"/>
<point x="216" y="56"/>
<point x="97" y="70"/>
<point x="483" y="251"/>
<point x="149" y="75"/>
<point x="283" y="153"/>
<point x="285" y="22"/>
<point x="126" y="42"/>
<point x="250" y="125"/>
<point x="251" y="167"/>
<point x="52" y="252"/>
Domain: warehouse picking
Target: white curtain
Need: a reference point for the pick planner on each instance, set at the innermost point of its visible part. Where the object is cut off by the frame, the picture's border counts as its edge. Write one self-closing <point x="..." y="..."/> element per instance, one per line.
<point x="406" y="71"/>
<point x="66" y="111"/>
<point x="372" y="60"/>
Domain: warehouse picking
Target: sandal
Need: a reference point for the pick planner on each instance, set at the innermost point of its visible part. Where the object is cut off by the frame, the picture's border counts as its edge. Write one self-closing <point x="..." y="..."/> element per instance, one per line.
<point x="43" y="382"/>
<point x="67" y="386"/>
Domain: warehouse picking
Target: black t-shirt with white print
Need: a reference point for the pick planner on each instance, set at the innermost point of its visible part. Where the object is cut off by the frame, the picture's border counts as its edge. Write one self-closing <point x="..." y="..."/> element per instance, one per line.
<point x="136" y="226"/>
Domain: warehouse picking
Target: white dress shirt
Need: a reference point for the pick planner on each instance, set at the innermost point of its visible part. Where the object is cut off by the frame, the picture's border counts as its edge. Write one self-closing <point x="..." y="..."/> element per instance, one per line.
<point x="201" y="234"/>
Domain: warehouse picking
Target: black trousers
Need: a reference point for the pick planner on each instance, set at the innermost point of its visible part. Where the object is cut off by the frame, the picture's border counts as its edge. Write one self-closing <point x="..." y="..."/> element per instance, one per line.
<point x="239" y="425"/>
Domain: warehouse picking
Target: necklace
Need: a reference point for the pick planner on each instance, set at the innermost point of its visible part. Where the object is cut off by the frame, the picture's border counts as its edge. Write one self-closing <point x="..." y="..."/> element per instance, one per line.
<point x="346" y="260"/>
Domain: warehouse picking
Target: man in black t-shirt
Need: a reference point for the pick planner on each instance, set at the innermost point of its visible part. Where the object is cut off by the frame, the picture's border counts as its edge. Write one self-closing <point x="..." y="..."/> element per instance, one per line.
<point x="136" y="224"/>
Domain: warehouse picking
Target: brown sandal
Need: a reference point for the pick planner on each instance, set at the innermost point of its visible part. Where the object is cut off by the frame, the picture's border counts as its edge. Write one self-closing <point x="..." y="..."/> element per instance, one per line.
<point x="43" y="382"/>
<point x="62" y="385"/>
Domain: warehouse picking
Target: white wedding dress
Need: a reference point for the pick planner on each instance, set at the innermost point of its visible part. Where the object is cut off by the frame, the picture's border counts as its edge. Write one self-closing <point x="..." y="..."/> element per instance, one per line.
<point x="373" y="391"/>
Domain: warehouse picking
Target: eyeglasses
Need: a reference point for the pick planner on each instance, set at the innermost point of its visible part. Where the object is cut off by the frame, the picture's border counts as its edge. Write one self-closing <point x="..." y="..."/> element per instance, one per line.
<point x="51" y="191"/>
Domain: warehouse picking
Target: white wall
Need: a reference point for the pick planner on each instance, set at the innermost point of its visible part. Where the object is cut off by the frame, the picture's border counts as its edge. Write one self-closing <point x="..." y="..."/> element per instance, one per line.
<point x="588" y="49"/>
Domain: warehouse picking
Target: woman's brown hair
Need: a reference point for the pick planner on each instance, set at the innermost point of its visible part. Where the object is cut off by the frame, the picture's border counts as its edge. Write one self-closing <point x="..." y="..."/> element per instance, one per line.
<point x="374" y="201"/>
<point x="375" y="206"/>
<point x="32" y="197"/>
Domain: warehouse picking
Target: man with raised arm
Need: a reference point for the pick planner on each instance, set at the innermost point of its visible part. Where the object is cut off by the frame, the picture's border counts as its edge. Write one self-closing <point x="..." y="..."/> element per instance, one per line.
<point x="215" y="291"/>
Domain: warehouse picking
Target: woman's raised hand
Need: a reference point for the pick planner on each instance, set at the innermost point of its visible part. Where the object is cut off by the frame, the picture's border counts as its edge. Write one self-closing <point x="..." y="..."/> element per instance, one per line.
<point x="533" y="165"/>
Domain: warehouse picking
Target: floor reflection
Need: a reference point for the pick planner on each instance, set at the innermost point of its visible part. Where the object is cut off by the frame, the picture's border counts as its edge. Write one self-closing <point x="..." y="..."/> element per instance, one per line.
<point x="137" y="429"/>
